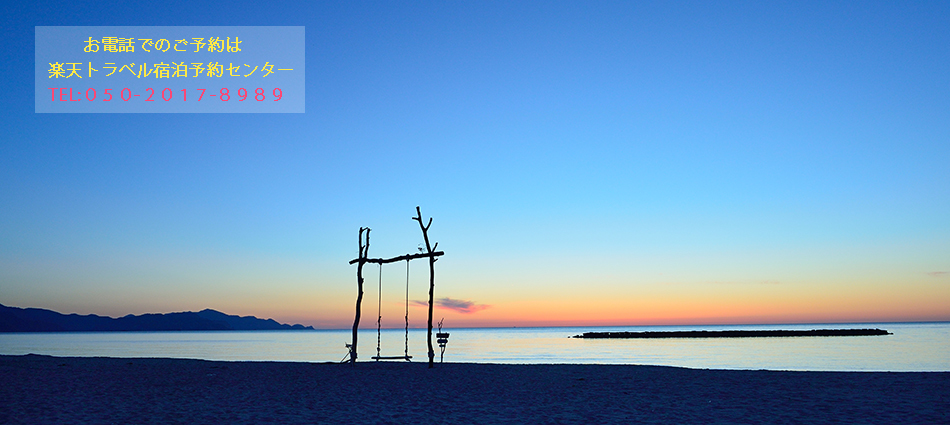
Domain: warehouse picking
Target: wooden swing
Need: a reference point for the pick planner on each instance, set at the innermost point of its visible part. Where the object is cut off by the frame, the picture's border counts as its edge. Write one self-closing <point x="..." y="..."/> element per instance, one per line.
<point x="379" y="319"/>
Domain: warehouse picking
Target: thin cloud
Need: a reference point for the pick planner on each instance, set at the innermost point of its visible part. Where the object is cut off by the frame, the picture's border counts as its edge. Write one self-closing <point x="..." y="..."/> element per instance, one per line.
<point x="726" y="282"/>
<point x="937" y="274"/>
<point x="458" y="306"/>
<point x="738" y="282"/>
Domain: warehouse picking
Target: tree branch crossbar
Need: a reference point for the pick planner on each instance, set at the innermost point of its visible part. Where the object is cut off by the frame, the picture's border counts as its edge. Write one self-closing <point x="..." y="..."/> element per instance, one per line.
<point x="396" y="259"/>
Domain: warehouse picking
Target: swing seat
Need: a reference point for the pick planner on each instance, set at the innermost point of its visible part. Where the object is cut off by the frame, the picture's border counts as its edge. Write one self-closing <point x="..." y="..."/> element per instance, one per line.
<point x="377" y="358"/>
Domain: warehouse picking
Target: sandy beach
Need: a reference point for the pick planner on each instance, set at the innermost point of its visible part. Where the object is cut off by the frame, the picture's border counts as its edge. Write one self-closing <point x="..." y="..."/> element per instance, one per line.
<point x="68" y="390"/>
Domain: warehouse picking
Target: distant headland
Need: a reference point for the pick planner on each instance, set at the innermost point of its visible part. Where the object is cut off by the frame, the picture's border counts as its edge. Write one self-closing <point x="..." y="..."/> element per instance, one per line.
<point x="14" y="319"/>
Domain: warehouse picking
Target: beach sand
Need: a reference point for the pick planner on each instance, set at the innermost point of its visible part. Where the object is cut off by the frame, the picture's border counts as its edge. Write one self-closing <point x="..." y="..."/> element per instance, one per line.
<point x="70" y="390"/>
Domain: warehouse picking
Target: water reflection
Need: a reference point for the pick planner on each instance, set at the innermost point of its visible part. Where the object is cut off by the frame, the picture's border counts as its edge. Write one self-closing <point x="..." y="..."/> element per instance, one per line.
<point x="912" y="347"/>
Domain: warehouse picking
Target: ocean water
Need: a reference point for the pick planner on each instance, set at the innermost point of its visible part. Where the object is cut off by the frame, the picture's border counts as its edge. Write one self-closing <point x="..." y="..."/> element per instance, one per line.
<point x="912" y="347"/>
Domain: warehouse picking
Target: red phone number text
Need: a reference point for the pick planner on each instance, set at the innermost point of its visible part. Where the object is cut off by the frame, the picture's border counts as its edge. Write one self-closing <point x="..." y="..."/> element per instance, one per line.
<point x="66" y="94"/>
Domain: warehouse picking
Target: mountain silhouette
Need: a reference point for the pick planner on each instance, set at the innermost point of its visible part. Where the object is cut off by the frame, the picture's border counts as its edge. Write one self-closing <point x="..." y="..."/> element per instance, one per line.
<point x="15" y="319"/>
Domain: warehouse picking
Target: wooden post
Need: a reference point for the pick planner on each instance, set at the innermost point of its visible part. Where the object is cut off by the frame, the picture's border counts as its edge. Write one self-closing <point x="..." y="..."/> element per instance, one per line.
<point x="429" y="251"/>
<point x="364" y="251"/>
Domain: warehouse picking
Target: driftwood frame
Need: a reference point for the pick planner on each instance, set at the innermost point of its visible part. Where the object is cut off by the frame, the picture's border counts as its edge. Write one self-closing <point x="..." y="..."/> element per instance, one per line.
<point x="363" y="259"/>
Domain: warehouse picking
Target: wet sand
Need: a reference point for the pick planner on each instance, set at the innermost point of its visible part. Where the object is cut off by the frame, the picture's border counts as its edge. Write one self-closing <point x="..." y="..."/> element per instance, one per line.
<point x="68" y="390"/>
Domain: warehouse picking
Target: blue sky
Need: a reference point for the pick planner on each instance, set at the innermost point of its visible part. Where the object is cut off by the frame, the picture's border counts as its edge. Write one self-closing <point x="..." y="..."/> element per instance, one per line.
<point x="584" y="162"/>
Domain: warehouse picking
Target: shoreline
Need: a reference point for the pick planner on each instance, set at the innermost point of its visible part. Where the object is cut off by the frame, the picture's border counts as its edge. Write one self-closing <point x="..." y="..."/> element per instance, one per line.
<point x="46" y="389"/>
<point x="422" y="328"/>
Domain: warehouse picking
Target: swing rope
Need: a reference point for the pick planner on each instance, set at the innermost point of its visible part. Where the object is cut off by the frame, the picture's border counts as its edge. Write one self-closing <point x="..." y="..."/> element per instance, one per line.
<point x="407" y="308"/>
<point x="379" y="311"/>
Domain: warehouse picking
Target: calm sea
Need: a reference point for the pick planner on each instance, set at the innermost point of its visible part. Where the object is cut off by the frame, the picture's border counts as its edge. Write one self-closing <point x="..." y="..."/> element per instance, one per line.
<point x="912" y="347"/>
